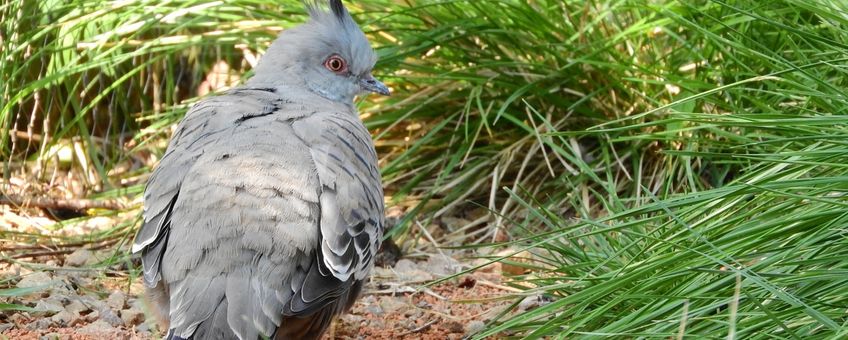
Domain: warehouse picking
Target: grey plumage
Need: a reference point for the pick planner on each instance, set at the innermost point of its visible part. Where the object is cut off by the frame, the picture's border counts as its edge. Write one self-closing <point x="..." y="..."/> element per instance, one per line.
<point x="266" y="211"/>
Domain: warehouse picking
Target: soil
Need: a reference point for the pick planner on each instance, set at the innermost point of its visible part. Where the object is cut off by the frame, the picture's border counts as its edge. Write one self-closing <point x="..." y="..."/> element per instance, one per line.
<point x="86" y="294"/>
<point x="85" y="300"/>
<point x="450" y="310"/>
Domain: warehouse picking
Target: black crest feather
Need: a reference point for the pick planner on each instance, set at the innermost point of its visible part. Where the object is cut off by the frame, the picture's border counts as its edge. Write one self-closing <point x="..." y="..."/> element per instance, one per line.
<point x="338" y="9"/>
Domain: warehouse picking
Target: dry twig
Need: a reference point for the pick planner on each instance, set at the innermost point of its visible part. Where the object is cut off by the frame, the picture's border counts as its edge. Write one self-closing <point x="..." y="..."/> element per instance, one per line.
<point x="79" y="204"/>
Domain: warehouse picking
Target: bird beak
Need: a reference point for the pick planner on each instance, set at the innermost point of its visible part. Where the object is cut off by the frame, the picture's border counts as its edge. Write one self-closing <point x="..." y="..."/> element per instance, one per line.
<point x="370" y="84"/>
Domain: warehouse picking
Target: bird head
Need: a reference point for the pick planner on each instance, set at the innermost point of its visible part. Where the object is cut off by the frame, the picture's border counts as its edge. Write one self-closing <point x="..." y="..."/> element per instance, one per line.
<point x="329" y="55"/>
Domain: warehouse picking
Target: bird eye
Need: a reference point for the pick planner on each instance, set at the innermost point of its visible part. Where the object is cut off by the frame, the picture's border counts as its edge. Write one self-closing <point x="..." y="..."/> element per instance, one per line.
<point x="336" y="64"/>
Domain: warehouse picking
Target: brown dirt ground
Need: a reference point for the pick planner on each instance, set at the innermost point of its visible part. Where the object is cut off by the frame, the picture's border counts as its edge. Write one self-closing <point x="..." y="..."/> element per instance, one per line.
<point x="444" y="311"/>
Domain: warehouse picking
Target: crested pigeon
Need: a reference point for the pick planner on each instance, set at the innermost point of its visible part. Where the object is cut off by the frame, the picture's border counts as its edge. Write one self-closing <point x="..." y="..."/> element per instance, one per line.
<point x="264" y="215"/>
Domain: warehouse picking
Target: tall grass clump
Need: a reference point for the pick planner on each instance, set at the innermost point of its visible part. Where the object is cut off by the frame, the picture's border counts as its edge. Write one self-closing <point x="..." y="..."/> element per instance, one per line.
<point x="714" y="203"/>
<point x="103" y="78"/>
<point x="674" y="168"/>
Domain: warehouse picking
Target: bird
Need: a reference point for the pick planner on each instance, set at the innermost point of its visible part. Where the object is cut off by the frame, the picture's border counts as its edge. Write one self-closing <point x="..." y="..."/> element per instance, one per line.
<point x="264" y="215"/>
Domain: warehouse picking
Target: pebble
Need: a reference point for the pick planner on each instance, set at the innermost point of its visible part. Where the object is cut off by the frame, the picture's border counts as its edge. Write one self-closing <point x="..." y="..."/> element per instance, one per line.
<point x="76" y="307"/>
<point x="409" y="272"/>
<point x="454" y="327"/>
<point x="532" y="302"/>
<point x="39" y="324"/>
<point x="19" y="318"/>
<point x="106" y="315"/>
<point x="474" y="327"/>
<point x="54" y="336"/>
<point x="116" y="300"/>
<point x="97" y="328"/>
<point x="454" y="223"/>
<point x="442" y="265"/>
<point x="515" y="261"/>
<point x="35" y="280"/>
<point x="144" y="327"/>
<point x="6" y="326"/>
<point x="393" y="305"/>
<point x="374" y="310"/>
<point x="50" y="305"/>
<point x="65" y="318"/>
<point x="353" y="319"/>
<point x="79" y="258"/>
<point x="132" y="317"/>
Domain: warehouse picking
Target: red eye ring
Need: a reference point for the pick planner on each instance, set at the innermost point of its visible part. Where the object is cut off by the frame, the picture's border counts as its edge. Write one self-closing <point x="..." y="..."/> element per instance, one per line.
<point x="336" y="64"/>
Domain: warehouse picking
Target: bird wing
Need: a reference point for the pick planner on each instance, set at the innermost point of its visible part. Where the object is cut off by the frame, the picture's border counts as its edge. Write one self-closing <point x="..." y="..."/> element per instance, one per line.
<point x="351" y="202"/>
<point x="202" y="125"/>
<point x="259" y="210"/>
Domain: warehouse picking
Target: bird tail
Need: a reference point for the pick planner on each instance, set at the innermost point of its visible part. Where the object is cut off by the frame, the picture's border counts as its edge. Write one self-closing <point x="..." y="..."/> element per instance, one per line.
<point x="308" y="327"/>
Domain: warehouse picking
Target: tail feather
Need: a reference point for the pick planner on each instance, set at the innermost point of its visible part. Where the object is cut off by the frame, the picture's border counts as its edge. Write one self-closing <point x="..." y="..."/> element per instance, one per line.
<point x="216" y="327"/>
<point x="314" y="325"/>
<point x="307" y="328"/>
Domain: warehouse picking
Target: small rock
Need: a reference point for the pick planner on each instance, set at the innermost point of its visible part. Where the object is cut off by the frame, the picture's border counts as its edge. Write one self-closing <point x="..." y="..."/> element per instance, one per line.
<point x="442" y="265"/>
<point x="77" y="307"/>
<point x="61" y="287"/>
<point x="377" y="323"/>
<point x="532" y="302"/>
<point x="95" y="223"/>
<point x="514" y="262"/>
<point x="58" y="336"/>
<point x="65" y="318"/>
<point x="365" y="301"/>
<point x="97" y="328"/>
<point x="39" y="324"/>
<point x="408" y="271"/>
<point x="381" y="272"/>
<point x="116" y="300"/>
<point x="403" y="265"/>
<point x="108" y="316"/>
<point x="374" y="310"/>
<point x="393" y="305"/>
<point x="352" y="319"/>
<point x="35" y="279"/>
<point x="132" y="317"/>
<point x="454" y="223"/>
<point x="474" y="327"/>
<point x="454" y="327"/>
<point x="486" y="266"/>
<point x="79" y="258"/>
<point x="50" y="336"/>
<point x="19" y="318"/>
<point x="143" y="327"/>
<point x="49" y="306"/>
<point x="135" y="303"/>
<point x="408" y="324"/>
<point x="93" y="303"/>
<point x="492" y="313"/>
<point x="6" y="326"/>
<point x="78" y="279"/>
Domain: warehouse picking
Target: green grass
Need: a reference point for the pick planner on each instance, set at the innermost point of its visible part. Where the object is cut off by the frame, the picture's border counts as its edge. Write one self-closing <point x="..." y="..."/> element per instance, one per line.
<point x="678" y="168"/>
